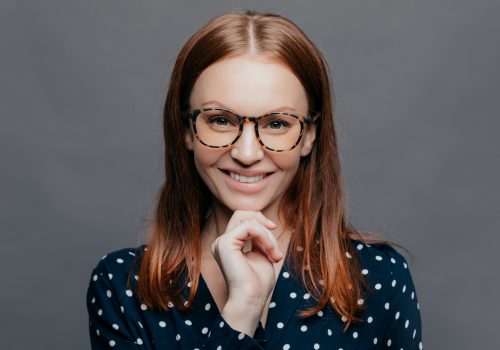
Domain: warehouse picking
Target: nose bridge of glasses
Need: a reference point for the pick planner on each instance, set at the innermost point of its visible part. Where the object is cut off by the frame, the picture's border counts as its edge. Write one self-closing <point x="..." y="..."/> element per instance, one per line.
<point x="253" y="128"/>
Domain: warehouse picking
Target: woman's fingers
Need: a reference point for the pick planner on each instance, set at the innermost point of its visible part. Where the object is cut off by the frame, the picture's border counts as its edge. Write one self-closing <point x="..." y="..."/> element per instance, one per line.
<point x="262" y="239"/>
<point x="240" y="216"/>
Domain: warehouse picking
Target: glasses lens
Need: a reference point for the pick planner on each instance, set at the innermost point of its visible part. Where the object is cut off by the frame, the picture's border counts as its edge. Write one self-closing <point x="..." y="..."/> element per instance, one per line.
<point x="217" y="127"/>
<point x="279" y="131"/>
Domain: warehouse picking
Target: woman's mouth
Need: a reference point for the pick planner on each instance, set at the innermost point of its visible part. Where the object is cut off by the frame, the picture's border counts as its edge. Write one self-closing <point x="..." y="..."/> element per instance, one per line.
<point x="246" y="179"/>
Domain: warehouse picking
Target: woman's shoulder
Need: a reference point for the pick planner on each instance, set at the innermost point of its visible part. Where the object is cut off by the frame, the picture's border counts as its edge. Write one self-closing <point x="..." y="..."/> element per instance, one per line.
<point x="382" y="265"/>
<point x="118" y="264"/>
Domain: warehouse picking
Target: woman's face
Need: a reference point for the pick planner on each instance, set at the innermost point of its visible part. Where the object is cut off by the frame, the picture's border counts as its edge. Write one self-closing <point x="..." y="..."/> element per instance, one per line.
<point x="249" y="85"/>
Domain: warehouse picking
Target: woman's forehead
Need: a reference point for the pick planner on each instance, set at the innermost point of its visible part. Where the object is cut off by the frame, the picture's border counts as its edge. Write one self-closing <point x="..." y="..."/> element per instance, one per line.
<point x="251" y="84"/>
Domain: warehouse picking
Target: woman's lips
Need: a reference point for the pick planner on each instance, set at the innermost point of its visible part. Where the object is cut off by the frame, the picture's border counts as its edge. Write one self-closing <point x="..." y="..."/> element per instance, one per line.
<point x="246" y="183"/>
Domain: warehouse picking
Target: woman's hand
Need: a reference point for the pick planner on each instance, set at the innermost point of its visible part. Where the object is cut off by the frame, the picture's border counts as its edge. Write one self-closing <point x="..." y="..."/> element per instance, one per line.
<point x="249" y="276"/>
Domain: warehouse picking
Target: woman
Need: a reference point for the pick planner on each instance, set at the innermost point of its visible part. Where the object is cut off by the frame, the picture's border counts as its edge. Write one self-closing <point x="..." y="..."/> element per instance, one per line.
<point x="250" y="247"/>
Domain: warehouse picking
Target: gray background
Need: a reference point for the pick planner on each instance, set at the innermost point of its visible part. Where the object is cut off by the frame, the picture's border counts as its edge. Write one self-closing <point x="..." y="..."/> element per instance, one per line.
<point x="82" y="86"/>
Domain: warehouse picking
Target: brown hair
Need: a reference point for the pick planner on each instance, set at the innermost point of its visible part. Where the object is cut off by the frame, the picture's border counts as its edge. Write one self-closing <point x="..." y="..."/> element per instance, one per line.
<point x="321" y="247"/>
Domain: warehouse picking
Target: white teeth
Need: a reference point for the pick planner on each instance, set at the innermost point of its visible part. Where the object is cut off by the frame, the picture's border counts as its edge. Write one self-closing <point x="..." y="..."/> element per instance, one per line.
<point x="246" y="179"/>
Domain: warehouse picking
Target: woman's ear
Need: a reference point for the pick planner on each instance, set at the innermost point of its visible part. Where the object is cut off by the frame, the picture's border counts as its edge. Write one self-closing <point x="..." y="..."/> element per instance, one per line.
<point x="189" y="139"/>
<point x="309" y="137"/>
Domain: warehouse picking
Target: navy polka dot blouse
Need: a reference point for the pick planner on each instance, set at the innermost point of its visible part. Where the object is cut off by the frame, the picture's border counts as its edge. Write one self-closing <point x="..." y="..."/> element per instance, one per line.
<point x="391" y="320"/>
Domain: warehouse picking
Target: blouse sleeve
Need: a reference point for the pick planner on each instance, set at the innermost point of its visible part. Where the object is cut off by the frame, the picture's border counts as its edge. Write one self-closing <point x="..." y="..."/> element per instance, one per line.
<point x="405" y="329"/>
<point x="222" y="336"/>
<point x="107" y="323"/>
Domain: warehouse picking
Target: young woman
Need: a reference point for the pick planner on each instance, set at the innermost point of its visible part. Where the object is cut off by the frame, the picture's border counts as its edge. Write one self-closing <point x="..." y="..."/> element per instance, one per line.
<point x="250" y="247"/>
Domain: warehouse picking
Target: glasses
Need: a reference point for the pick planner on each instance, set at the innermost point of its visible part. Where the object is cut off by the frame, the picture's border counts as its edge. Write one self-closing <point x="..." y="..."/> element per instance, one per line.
<point x="220" y="127"/>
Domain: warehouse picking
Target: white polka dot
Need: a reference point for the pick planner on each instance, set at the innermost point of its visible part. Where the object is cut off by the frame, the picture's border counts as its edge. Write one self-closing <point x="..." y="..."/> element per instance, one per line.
<point x="280" y="325"/>
<point x="115" y="326"/>
<point x="94" y="278"/>
<point x="407" y="323"/>
<point x="316" y="346"/>
<point x="389" y="342"/>
<point x="405" y="265"/>
<point x="386" y="306"/>
<point x="110" y="276"/>
<point x="378" y="257"/>
<point x="204" y="330"/>
<point x="99" y="312"/>
<point x="162" y="324"/>
<point x="360" y="246"/>
<point x="189" y="284"/>
<point x="393" y="283"/>
<point x="397" y="315"/>
<point x="272" y="305"/>
<point x="320" y="313"/>
<point x="122" y="309"/>
<point x="219" y="347"/>
<point x="286" y="274"/>
<point x="355" y="335"/>
<point x="140" y="324"/>
<point x="329" y="332"/>
<point x="139" y="341"/>
<point x="412" y="295"/>
<point x="178" y="337"/>
<point x="378" y="286"/>
<point x="393" y="260"/>
<point x="97" y="332"/>
<point x="93" y="300"/>
<point x="303" y="328"/>
<point x="286" y="347"/>
<point x="188" y="322"/>
<point x="364" y="272"/>
<point x="136" y="277"/>
<point x="129" y="292"/>
<point x="375" y="340"/>
<point x="369" y="319"/>
<point x="119" y="261"/>
<point x="344" y="319"/>
<point x="207" y="306"/>
<point x="404" y="288"/>
<point x="221" y="324"/>
<point x="418" y="306"/>
<point x="112" y="343"/>
<point x="307" y="296"/>
<point x="108" y="293"/>
<point x="104" y="257"/>
<point x="361" y="301"/>
<point x="414" y="333"/>
<point x="144" y="307"/>
<point x="131" y="253"/>
<point x="293" y="295"/>
<point x="349" y="256"/>
<point x="241" y="336"/>
<point x="420" y="346"/>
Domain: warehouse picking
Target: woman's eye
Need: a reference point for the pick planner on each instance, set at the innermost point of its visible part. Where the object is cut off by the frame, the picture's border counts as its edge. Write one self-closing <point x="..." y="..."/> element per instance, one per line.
<point x="277" y="124"/>
<point x="219" y="120"/>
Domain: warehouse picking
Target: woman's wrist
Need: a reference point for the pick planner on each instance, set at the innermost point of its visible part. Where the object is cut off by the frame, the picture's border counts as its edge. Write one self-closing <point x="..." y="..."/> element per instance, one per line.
<point x="243" y="316"/>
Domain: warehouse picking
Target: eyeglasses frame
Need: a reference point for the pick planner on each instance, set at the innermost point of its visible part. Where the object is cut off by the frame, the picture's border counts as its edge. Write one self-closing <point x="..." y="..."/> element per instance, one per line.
<point x="193" y="115"/>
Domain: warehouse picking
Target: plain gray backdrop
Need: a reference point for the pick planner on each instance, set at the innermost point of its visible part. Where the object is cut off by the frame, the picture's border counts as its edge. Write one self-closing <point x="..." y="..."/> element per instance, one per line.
<point x="82" y="85"/>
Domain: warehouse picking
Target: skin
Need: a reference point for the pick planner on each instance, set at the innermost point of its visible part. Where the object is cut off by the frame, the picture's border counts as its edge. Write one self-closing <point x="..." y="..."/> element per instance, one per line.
<point x="244" y="241"/>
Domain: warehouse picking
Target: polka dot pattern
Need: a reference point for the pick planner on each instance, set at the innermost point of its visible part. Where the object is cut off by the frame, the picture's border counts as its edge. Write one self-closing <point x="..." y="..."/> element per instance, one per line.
<point x="391" y="318"/>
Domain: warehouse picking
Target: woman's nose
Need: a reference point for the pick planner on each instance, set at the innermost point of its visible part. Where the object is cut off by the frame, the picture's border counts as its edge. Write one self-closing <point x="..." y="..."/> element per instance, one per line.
<point x="247" y="149"/>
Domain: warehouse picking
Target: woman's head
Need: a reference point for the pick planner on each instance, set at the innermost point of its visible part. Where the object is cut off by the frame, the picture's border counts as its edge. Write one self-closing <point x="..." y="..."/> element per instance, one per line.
<point x="239" y="171"/>
<point x="266" y="39"/>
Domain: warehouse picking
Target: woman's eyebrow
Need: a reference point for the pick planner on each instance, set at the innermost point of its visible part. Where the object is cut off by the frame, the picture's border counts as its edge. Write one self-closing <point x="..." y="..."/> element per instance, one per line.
<point x="220" y="104"/>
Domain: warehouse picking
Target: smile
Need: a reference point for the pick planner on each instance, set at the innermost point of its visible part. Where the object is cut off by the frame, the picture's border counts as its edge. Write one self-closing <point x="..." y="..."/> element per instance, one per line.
<point x="246" y="179"/>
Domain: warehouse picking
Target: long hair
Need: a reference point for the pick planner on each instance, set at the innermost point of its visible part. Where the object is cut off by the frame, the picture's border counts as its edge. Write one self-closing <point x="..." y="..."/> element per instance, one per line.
<point x="313" y="206"/>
